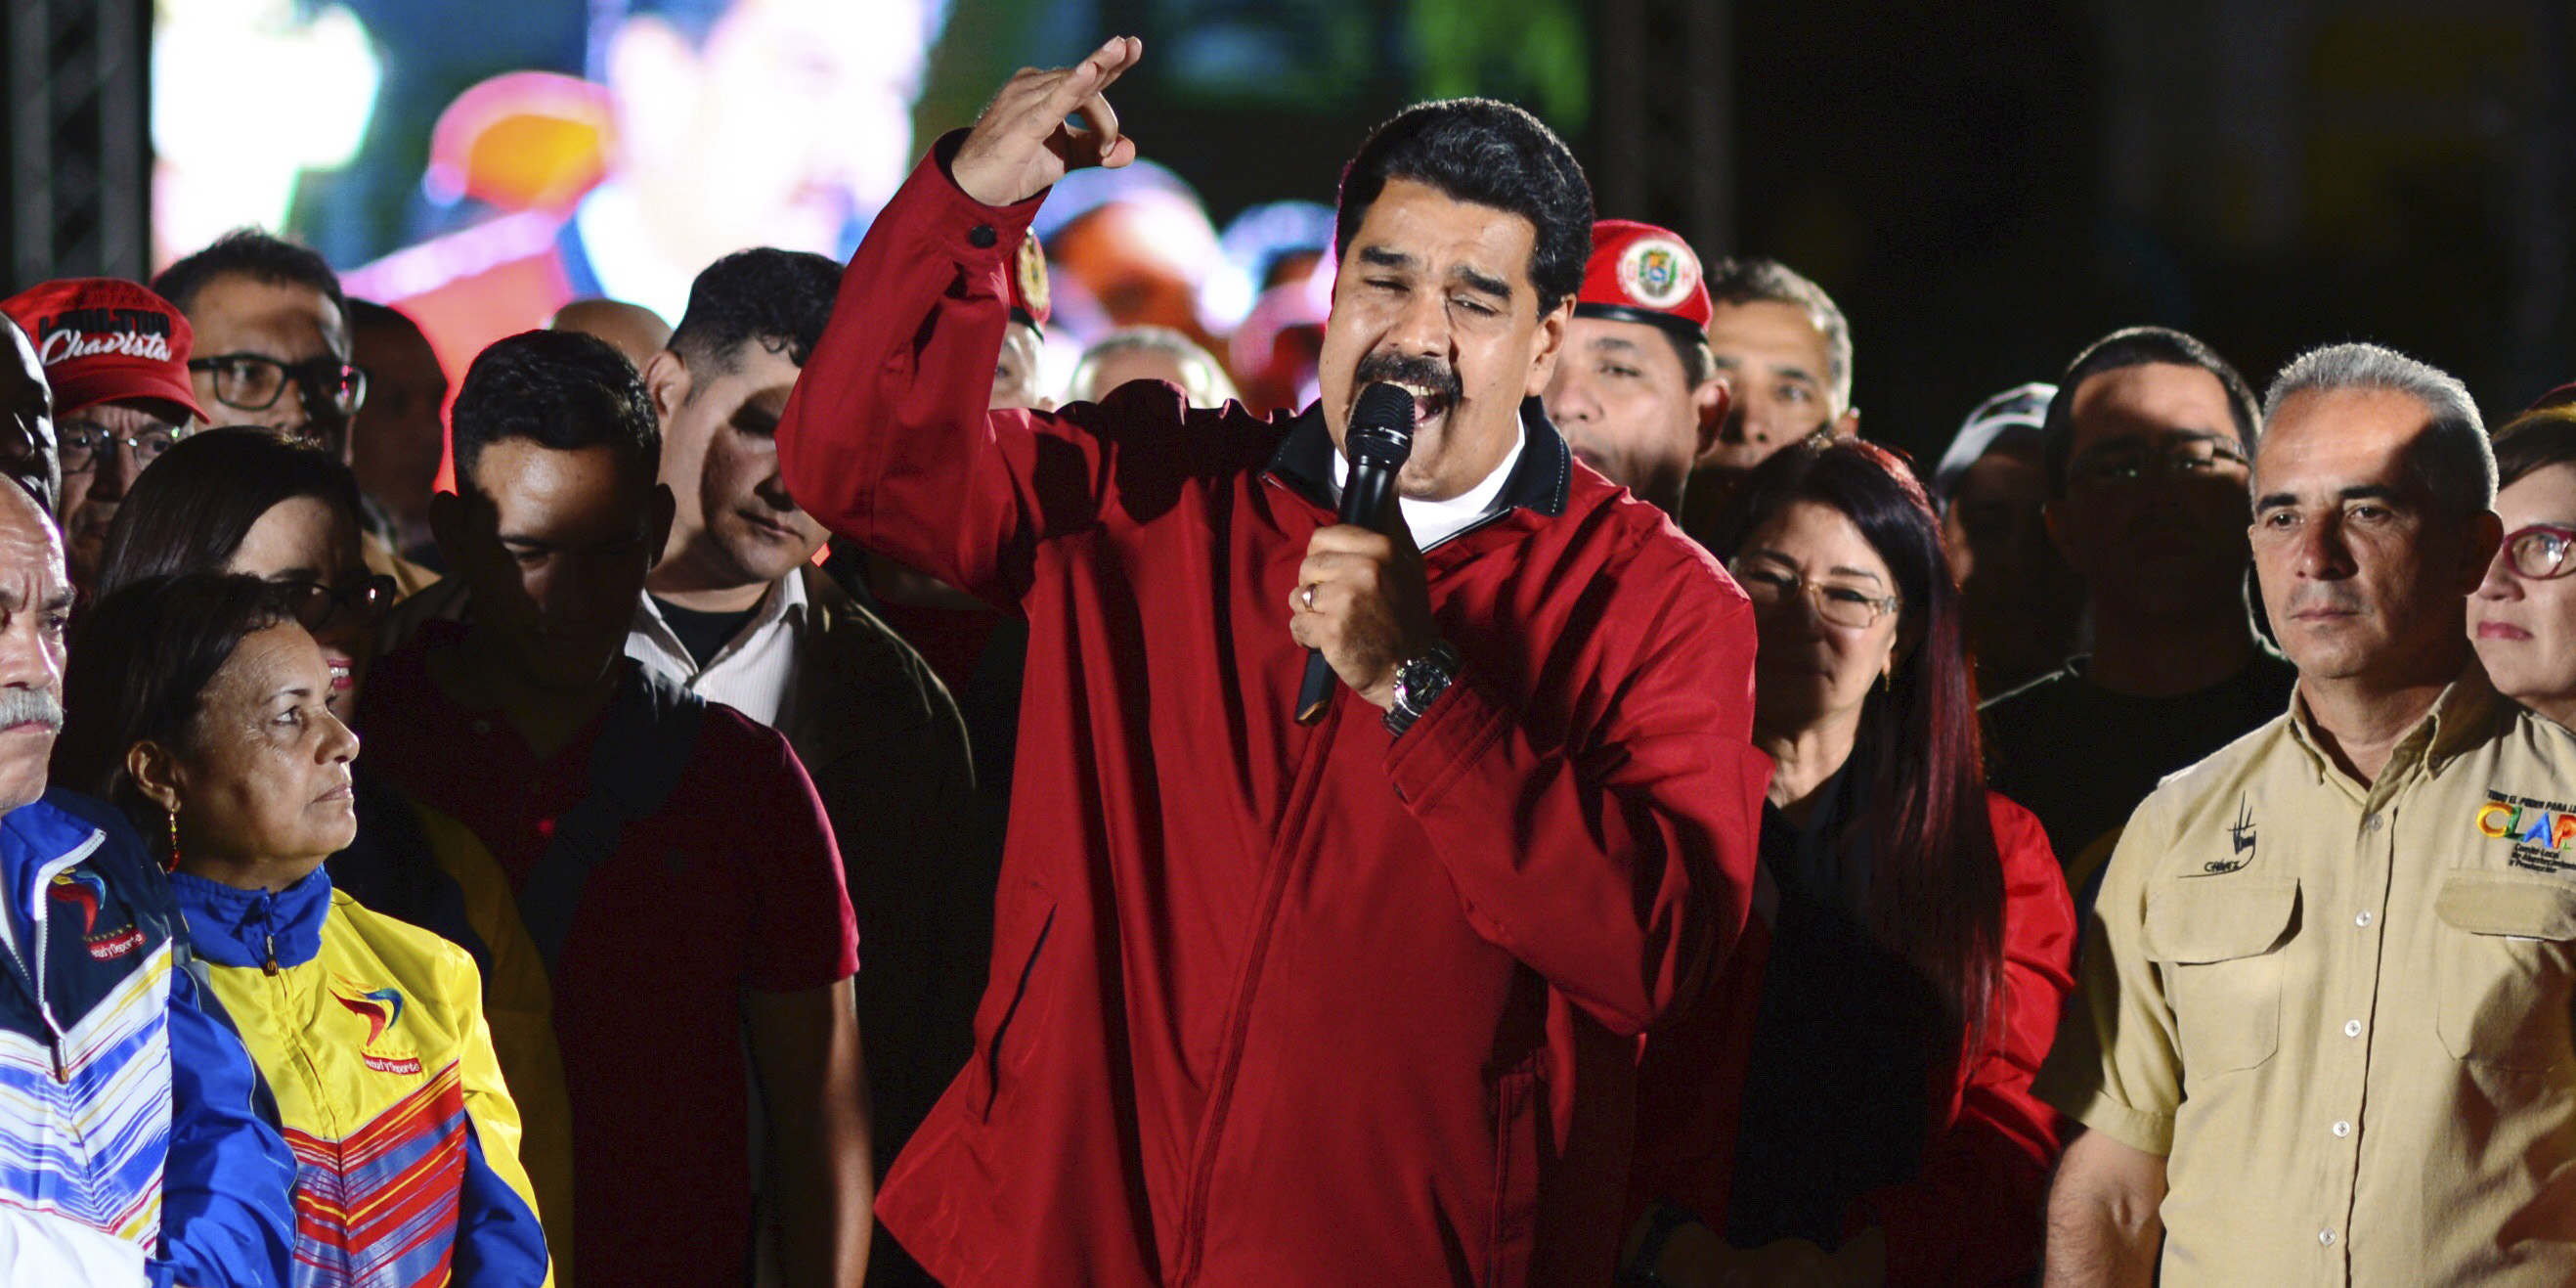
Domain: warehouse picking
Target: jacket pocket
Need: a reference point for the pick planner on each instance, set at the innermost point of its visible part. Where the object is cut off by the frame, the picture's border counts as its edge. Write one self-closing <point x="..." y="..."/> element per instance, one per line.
<point x="2219" y="940"/>
<point x="1520" y="1127"/>
<point x="1000" y="1056"/>
<point x="2504" y="968"/>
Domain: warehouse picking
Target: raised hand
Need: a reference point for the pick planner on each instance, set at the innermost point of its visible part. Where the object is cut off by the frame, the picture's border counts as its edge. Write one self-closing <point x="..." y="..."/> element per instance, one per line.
<point x="1023" y="142"/>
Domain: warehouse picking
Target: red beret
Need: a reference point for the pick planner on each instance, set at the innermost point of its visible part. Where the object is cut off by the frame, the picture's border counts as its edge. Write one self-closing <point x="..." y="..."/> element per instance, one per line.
<point x="2558" y="397"/>
<point x="104" y="340"/>
<point x="1641" y="273"/>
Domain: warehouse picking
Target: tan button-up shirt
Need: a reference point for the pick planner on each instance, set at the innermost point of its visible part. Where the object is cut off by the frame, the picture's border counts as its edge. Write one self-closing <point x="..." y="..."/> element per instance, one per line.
<point x="2342" y="1012"/>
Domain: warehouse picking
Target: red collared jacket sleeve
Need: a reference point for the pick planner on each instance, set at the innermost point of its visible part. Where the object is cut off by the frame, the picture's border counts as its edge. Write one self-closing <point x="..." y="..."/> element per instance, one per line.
<point x="1973" y="1216"/>
<point x="1619" y="864"/>
<point x="887" y="438"/>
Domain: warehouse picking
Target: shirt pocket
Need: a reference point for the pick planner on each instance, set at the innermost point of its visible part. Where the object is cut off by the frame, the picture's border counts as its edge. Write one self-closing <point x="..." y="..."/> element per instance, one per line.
<point x="2505" y="968"/>
<point x="2220" y="940"/>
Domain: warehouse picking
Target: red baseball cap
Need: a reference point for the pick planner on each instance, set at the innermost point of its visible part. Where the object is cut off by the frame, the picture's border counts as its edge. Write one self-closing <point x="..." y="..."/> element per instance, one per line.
<point x="103" y="340"/>
<point x="1029" y="293"/>
<point x="1641" y="273"/>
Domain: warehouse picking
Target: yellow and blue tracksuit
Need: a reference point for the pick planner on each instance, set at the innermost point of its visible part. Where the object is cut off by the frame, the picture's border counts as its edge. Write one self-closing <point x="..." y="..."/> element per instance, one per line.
<point x="371" y="1034"/>
<point x="131" y="1147"/>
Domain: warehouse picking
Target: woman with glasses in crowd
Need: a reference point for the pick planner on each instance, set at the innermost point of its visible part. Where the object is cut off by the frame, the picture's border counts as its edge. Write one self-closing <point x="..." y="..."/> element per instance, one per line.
<point x="1851" y="1103"/>
<point x="201" y="708"/>
<point x="2523" y="616"/>
<point x="251" y="502"/>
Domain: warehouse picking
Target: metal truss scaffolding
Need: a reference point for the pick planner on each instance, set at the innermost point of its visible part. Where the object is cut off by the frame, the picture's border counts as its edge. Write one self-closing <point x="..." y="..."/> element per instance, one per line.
<point x="77" y="147"/>
<point x="1663" y="106"/>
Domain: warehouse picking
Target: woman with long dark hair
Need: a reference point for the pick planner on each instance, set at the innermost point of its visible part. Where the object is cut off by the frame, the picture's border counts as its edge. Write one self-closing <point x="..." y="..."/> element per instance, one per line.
<point x="1850" y="1104"/>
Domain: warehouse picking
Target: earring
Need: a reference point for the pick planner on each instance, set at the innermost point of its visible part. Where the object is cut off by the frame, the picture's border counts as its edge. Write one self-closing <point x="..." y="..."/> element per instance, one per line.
<point x="173" y="811"/>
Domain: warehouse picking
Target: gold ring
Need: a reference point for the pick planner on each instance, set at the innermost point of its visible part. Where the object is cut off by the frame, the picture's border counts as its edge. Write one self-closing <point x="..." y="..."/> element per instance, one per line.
<point x="1310" y="595"/>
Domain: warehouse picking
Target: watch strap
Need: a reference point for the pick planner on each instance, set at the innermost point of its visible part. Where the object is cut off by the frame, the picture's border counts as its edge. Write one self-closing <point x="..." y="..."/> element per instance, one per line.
<point x="1435" y="670"/>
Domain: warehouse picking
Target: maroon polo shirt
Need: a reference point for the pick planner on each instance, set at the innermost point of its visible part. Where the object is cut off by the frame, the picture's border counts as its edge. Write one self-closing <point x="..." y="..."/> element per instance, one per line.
<point x="733" y="885"/>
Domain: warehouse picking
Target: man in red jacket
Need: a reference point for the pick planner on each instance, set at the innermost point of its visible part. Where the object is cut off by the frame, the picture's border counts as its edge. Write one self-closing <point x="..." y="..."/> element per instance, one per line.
<point x="1277" y="1004"/>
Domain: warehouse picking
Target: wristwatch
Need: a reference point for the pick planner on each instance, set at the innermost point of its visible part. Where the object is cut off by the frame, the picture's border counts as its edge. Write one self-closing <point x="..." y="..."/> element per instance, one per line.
<point x="1418" y="682"/>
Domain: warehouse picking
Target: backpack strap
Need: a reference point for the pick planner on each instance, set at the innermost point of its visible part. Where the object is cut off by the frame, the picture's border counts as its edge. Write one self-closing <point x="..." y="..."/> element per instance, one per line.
<point x="650" y="734"/>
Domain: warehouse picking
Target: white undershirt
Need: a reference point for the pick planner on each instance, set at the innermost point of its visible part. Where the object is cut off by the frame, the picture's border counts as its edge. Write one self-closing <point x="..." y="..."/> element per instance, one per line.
<point x="1432" y="522"/>
<point x="754" y="673"/>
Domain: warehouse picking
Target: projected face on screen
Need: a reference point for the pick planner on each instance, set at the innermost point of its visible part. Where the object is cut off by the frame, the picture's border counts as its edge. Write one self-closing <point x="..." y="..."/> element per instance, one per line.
<point x="776" y="122"/>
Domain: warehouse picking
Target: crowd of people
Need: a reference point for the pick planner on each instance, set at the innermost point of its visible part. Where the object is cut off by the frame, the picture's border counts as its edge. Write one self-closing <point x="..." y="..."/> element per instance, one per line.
<point x="403" y="885"/>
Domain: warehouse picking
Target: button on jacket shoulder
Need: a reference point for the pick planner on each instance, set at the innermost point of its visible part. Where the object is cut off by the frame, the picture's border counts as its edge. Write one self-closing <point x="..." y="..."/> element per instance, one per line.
<point x="2342" y="1012"/>
<point x="1274" y="1004"/>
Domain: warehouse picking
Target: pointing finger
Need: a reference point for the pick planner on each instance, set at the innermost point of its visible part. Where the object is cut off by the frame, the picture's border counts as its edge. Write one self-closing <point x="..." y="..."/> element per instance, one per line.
<point x="1094" y="75"/>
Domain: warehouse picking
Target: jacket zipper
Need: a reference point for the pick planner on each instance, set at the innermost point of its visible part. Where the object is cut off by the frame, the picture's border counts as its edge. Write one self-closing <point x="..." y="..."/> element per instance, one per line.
<point x="295" y="1025"/>
<point x="1283" y="861"/>
<point x="35" y="976"/>
<point x="36" y="981"/>
<point x="1193" y="1214"/>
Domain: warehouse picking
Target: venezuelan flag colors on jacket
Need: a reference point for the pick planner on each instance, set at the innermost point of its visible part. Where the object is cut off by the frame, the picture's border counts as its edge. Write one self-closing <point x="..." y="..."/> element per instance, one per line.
<point x="371" y="1034"/>
<point x="129" y="1148"/>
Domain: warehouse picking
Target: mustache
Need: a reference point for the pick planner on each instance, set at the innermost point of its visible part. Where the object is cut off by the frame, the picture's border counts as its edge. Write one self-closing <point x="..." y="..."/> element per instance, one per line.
<point x="1406" y="369"/>
<point x="30" y="706"/>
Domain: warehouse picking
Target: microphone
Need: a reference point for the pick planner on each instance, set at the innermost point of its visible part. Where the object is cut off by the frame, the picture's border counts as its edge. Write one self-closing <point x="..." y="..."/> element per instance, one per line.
<point x="1380" y="436"/>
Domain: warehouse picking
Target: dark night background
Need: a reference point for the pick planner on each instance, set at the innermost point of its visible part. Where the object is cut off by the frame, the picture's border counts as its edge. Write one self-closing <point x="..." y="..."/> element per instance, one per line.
<point x="1984" y="186"/>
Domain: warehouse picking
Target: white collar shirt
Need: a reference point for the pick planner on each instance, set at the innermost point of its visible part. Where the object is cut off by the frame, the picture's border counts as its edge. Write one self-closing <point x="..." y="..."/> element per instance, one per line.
<point x="1432" y="522"/>
<point x="754" y="673"/>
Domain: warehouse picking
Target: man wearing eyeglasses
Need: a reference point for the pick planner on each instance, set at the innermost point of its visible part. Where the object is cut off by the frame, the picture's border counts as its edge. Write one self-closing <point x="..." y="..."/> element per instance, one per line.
<point x="2144" y="446"/>
<point x="117" y="358"/>
<point x="272" y="337"/>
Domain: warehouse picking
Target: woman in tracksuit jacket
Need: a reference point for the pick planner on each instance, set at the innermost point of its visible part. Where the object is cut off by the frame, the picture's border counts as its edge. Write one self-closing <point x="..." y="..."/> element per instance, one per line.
<point x="130" y="1152"/>
<point x="209" y="703"/>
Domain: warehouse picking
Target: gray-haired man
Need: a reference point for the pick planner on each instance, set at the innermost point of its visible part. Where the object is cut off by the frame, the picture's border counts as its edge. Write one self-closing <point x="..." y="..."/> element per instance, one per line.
<point x="2322" y="1032"/>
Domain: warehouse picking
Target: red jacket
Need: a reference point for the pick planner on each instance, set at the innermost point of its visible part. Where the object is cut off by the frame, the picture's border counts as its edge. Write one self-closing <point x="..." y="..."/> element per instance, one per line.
<point x="1972" y="1216"/>
<point x="1272" y="1004"/>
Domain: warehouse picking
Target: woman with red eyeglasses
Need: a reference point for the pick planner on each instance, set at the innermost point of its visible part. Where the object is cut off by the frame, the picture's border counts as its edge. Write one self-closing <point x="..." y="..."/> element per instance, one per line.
<point x="2523" y="616"/>
<point x="253" y="502"/>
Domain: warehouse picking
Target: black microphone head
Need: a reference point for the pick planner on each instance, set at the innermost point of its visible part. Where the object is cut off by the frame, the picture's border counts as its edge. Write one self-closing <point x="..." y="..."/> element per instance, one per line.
<point x="1381" y="429"/>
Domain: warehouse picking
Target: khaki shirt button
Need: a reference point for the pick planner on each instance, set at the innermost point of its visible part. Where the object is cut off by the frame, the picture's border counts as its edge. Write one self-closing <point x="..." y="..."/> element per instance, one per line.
<point x="2326" y="1237"/>
<point x="2343" y="1129"/>
<point x="2372" y="822"/>
<point x="2362" y="920"/>
<point x="2352" y="1028"/>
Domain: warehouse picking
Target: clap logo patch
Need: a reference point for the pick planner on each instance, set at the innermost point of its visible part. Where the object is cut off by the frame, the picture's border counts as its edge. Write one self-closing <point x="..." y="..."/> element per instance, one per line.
<point x="1656" y="272"/>
<point x="2539" y="830"/>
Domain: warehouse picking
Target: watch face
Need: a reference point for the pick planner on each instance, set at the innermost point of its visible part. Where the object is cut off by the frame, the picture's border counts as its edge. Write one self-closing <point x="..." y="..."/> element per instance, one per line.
<point x="1422" y="679"/>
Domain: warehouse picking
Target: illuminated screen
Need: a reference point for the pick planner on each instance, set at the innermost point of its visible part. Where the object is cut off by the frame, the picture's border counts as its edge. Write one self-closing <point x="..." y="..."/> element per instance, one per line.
<point x="480" y="163"/>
